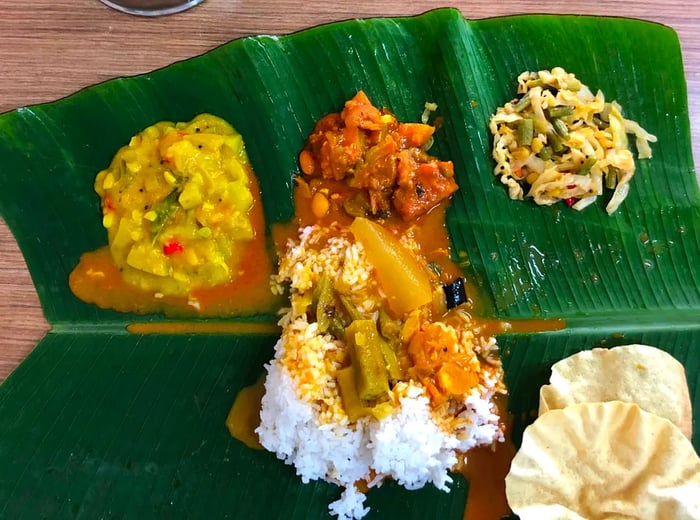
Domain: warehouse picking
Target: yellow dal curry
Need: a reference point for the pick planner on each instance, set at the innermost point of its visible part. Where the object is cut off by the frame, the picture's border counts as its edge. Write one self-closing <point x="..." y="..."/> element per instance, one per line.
<point x="184" y="219"/>
<point x="176" y="204"/>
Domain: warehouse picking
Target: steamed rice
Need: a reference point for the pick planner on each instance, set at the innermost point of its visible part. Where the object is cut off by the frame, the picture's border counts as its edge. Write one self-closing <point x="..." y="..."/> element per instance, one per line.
<point x="303" y="420"/>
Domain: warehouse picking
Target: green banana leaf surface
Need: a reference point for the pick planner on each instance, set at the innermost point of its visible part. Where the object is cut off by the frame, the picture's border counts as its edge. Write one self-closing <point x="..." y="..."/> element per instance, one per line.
<point x="101" y="423"/>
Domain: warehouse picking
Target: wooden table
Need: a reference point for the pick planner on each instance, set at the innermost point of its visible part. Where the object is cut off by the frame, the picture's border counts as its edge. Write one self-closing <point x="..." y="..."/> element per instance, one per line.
<point x="49" y="49"/>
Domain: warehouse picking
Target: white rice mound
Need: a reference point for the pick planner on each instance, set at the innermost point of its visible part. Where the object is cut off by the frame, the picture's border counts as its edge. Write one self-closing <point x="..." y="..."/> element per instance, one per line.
<point x="302" y="418"/>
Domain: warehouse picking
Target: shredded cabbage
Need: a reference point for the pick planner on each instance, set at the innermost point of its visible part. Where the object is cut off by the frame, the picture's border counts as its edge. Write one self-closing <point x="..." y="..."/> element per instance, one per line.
<point x="559" y="141"/>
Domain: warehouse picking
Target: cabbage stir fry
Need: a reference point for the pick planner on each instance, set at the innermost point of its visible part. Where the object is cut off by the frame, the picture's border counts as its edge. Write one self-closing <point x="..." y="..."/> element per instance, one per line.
<point x="558" y="141"/>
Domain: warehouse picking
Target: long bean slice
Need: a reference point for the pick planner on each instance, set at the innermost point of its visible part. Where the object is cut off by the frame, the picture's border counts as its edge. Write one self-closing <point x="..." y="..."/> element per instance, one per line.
<point x="350" y="308"/>
<point x="611" y="177"/>
<point x="522" y="104"/>
<point x="545" y="153"/>
<point x="562" y="111"/>
<point x="323" y="300"/>
<point x="555" y="142"/>
<point x="371" y="376"/>
<point x="560" y="128"/>
<point x="526" y="130"/>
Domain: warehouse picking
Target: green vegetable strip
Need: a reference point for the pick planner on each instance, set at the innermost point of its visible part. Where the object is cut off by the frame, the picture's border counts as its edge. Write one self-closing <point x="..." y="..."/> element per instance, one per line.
<point x="555" y="142"/>
<point x="560" y="128"/>
<point x="350" y="308"/>
<point x="545" y="153"/>
<point x="611" y="177"/>
<point x="390" y="359"/>
<point x="562" y="111"/>
<point x="164" y="211"/>
<point x="371" y="374"/>
<point x="324" y="303"/>
<point x="522" y="104"/>
<point x="526" y="129"/>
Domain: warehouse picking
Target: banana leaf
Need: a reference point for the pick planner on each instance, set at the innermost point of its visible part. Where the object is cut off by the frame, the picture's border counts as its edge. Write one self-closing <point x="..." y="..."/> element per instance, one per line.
<point x="98" y="422"/>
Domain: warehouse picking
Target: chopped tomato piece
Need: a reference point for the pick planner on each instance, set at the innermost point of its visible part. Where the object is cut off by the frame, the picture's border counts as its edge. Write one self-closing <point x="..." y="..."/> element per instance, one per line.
<point x="172" y="248"/>
<point x="425" y="186"/>
<point x="108" y="202"/>
<point x="416" y="134"/>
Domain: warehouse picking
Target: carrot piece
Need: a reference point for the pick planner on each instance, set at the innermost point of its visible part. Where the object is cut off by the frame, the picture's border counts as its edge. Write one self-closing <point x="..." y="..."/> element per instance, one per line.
<point x="456" y="380"/>
<point x="416" y="134"/>
<point x="360" y="112"/>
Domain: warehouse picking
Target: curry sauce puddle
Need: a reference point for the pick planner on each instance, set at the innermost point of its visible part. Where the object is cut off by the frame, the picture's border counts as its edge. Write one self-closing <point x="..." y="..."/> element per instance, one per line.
<point x="183" y="327"/>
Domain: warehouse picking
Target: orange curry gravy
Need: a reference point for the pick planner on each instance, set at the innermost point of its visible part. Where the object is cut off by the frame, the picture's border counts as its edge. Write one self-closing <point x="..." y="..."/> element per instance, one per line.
<point x="96" y="279"/>
<point x="485" y="469"/>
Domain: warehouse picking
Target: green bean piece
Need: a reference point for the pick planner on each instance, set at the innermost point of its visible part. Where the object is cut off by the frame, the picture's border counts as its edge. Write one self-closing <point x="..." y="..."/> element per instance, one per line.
<point x="599" y="122"/>
<point x="391" y="360"/>
<point x="371" y="376"/>
<point x="336" y="327"/>
<point x="390" y="331"/>
<point x="545" y="153"/>
<point x="354" y="407"/>
<point x="522" y="104"/>
<point x="611" y="177"/>
<point x="555" y="142"/>
<point x="350" y="308"/>
<point x="526" y="131"/>
<point x="560" y="128"/>
<point x="164" y="210"/>
<point x="562" y="111"/>
<point x="586" y="166"/>
<point x="324" y="303"/>
<point x="388" y="327"/>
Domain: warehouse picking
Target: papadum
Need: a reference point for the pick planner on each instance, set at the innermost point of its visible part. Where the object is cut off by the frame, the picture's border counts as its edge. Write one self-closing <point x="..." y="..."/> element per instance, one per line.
<point x="639" y="374"/>
<point x="604" y="460"/>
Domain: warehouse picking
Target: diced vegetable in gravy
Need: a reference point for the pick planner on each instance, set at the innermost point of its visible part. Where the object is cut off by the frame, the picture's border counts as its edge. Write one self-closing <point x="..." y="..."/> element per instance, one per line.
<point x="175" y="202"/>
<point x="384" y="162"/>
<point x="184" y="222"/>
